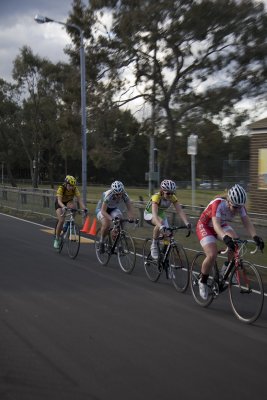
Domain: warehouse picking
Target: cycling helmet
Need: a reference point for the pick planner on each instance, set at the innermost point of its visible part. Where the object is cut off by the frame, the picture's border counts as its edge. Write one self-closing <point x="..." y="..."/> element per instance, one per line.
<point x="168" y="185"/>
<point x="71" y="180"/>
<point x="237" y="195"/>
<point x="117" y="187"/>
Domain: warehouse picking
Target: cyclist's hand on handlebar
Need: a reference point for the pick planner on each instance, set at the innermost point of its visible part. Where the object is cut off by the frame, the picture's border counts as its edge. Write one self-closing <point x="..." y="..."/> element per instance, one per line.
<point x="229" y="242"/>
<point x="259" y="242"/>
<point x="162" y="228"/>
<point x="64" y="209"/>
<point x="189" y="227"/>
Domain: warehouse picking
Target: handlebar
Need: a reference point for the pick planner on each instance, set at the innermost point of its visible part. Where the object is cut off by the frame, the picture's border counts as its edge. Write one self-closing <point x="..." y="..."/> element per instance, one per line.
<point x="72" y="211"/>
<point x="172" y="229"/>
<point x="240" y="244"/>
<point x="117" y="221"/>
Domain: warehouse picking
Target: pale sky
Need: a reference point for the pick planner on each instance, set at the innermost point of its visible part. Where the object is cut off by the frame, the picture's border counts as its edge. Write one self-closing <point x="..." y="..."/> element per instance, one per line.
<point x="18" y="28"/>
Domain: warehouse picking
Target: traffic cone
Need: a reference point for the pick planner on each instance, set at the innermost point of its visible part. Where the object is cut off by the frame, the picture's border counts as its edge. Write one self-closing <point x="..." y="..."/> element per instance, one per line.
<point x="86" y="225"/>
<point x="93" y="228"/>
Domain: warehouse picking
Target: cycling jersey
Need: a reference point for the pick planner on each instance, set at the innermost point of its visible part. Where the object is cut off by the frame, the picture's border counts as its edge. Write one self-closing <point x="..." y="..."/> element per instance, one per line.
<point x="163" y="204"/>
<point x="216" y="208"/>
<point x="112" y="201"/>
<point x="67" y="195"/>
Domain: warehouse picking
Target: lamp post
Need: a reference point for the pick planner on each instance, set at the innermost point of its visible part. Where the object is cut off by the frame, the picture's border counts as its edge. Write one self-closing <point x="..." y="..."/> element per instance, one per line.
<point x="42" y="20"/>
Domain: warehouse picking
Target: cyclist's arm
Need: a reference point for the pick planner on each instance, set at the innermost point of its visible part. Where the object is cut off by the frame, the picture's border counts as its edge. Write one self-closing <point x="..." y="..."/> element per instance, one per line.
<point x="130" y="210"/>
<point x="81" y="204"/>
<point x="181" y="213"/>
<point x="59" y="200"/>
<point x="155" y="218"/>
<point x="216" y="222"/>
<point x="248" y="225"/>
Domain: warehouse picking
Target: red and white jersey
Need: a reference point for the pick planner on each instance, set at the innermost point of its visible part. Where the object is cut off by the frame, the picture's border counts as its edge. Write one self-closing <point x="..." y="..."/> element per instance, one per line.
<point x="219" y="208"/>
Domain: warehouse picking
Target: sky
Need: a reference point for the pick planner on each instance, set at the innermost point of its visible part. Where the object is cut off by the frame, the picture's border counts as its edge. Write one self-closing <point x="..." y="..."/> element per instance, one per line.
<point x="18" y="28"/>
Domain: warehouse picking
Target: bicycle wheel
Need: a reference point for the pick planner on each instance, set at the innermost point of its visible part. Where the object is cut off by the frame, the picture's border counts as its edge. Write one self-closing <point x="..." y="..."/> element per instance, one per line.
<point x="247" y="293"/>
<point x="126" y="253"/>
<point x="151" y="266"/>
<point x="178" y="263"/>
<point x="73" y="240"/>
<point x="195" y="274"/>
<point x="103" y="258"/>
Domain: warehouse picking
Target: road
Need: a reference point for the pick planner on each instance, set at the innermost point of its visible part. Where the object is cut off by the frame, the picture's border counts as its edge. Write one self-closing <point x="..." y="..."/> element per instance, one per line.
<point x="74" y="330"/>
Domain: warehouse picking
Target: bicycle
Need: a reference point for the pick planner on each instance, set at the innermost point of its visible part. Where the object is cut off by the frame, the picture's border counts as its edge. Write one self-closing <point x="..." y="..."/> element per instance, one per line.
<point x="70" y="233"/>
<point x="119" y="242"/>
<point x="172" y="259"/>
<point x="241" y="278"/>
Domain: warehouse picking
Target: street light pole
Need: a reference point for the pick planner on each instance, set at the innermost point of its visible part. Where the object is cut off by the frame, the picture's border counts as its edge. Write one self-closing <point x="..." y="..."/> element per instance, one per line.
<point x="41" y="20"/>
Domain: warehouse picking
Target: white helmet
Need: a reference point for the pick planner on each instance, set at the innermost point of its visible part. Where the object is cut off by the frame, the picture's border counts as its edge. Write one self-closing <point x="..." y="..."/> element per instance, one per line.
<point x="168" y="185"/>
<point x="117" y="187"/>
<point x="237" y="195"/>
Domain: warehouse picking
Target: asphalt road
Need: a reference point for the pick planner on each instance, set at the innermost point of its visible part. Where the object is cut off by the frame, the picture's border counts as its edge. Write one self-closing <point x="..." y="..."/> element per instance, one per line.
<point x="74" y="330"/>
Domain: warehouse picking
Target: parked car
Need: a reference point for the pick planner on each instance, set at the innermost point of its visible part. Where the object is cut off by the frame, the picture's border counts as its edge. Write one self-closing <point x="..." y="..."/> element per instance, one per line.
<point x="209" y="185"/>
<point x="205" y="185"/>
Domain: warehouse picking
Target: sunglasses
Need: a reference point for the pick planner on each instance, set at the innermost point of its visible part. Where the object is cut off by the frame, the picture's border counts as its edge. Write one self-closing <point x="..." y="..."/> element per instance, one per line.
<point x="236" y="207"/>
<point x="168" y="193"/>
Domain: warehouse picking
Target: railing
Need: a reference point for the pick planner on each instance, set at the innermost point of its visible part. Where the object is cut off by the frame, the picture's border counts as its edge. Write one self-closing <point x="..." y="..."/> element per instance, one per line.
<point x="41" y="201"/>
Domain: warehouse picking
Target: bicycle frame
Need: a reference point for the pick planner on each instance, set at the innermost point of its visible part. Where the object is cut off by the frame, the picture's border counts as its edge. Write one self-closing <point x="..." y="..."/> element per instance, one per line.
<point x="172" y="258"/>
<point x="72" y="234"/>
<point x="122" y="245"/>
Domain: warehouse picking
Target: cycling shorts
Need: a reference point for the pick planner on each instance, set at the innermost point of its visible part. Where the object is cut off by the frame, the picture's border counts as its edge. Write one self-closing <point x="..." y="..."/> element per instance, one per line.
<point x="206" y="234"/>
<point x="113" y="212"/>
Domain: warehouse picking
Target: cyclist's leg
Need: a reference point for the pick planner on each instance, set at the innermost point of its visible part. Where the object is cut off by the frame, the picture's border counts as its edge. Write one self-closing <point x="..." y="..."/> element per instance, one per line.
<point x="58" y="229"/>
<point x="195" y="275"/>
<point x="156" y="224"/>
<point x="105" y="225"/>
<point x="207" y="237"/>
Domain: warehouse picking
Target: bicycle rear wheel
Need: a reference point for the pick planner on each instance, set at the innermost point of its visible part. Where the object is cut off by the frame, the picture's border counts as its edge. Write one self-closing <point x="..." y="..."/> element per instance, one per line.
<point x="178" y="263"/>
<point x="247" y="294"/>
<point x="103" y="258"/>
<point x="73" y="240"/>
<point x="126" y="253"/>
<point x="151" y="266"/>
<point x="195" y="274"/>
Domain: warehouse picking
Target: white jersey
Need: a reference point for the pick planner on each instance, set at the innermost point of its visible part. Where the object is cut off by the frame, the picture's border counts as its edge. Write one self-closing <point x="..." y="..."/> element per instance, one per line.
<point x="112" y="201"/>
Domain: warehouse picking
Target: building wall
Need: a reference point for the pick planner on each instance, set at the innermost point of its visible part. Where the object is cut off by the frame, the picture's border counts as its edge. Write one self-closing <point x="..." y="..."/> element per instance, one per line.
<point x="258" y="197"/>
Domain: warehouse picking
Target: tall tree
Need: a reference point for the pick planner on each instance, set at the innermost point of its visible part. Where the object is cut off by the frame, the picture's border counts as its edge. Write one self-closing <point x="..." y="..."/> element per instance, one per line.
<point x="180" y="56"/>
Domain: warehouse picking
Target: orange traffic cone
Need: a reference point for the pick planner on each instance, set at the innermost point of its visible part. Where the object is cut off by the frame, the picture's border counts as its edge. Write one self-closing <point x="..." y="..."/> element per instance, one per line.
<point x="93" y="228"/>
<point x="86" y="225"/>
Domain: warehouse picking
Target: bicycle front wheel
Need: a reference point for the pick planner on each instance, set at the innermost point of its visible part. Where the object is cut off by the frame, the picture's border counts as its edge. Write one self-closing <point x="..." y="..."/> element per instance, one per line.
<point x="195" y="275"/>
<point x="73" y="235"/>
<point x="178" y="263"/>
<point x="126" y="253"/>
<point x="151" y="266"/>
<point x="246" y="292"/>
<point x="103" y="255"/>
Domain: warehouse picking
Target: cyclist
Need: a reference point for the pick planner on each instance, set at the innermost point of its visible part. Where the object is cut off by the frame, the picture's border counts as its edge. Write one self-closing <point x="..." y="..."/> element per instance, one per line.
<point x="154" y="213"/>
<point x="65" y="199"/>
<point x="108" y="208"/>
<point x="213" y="224"/>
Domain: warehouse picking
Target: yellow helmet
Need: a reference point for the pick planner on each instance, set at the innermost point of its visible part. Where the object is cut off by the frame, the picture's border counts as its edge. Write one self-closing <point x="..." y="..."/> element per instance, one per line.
<point x="71" y="180"/>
